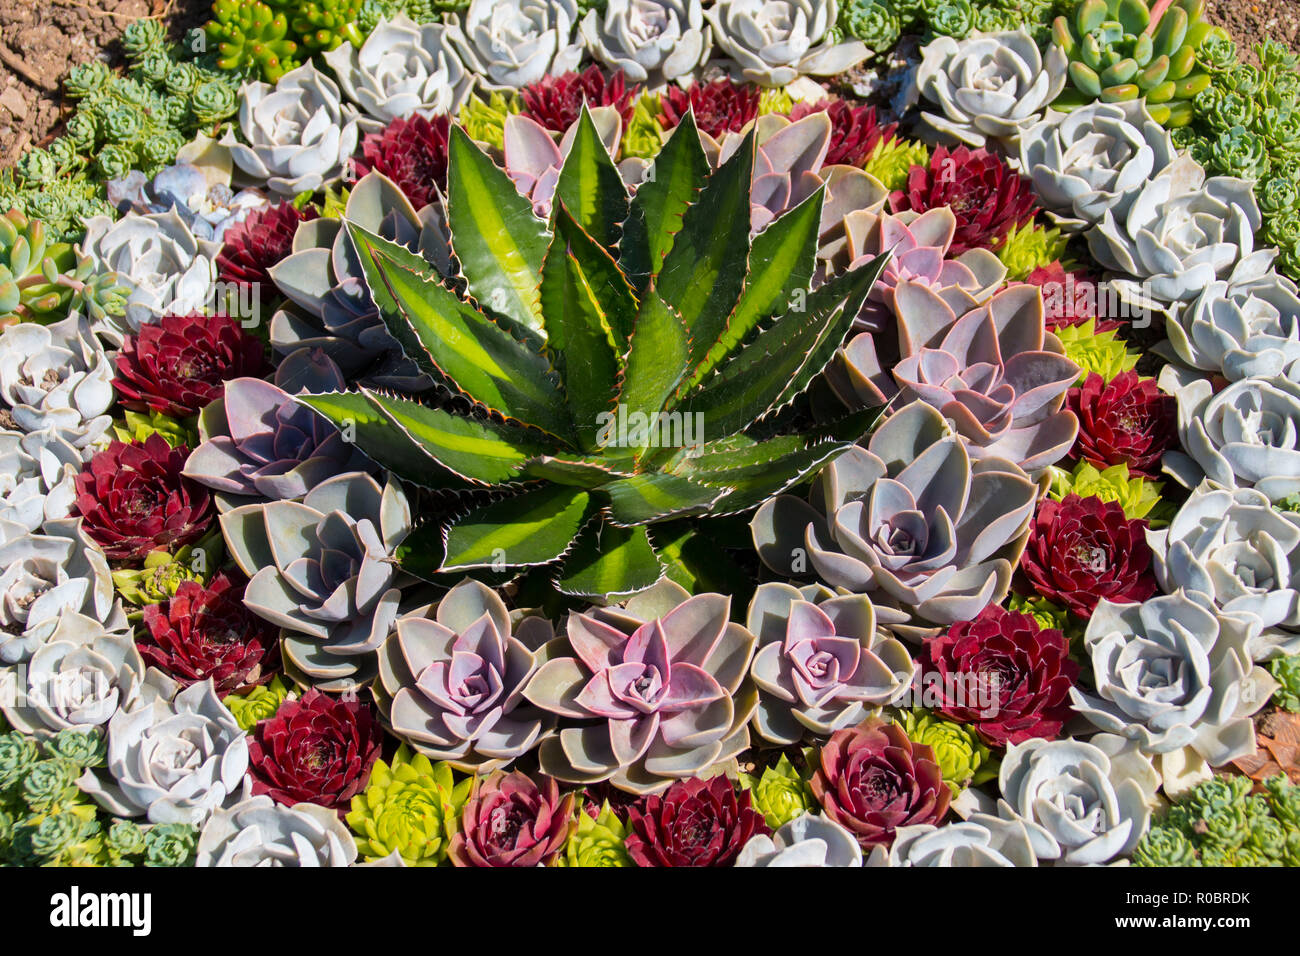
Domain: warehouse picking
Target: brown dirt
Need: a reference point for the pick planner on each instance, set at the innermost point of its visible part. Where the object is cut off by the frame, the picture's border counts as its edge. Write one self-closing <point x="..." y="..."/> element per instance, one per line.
<point x="40" y="40"/>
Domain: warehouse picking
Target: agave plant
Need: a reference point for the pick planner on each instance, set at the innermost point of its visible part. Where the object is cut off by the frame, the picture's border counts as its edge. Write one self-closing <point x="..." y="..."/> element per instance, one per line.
<point x="607" y="394"/>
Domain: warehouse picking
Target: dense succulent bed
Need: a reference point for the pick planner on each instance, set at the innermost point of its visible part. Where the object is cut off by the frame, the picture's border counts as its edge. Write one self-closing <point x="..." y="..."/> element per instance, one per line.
<point x="655" y="433"/>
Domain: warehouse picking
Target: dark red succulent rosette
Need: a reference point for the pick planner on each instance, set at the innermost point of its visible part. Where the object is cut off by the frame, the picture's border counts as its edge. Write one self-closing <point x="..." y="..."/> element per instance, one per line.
<point x="720" y="107"/>
<point x="856" y="130"/>
<point x="694" y="823"/>
<point x="511" y="820"/>
<point x="180" y="364"/>
<point x="260" y="241"/>
<point x="318" y="749"/>
<point x="556" y="101"/>
<point x="1127" y="420"/>
<point x="1069" y="298"/>
<point x="871" y="780"/>
<point x="412" y="152"/>
<point x="985" y="194"/>
<point x="1002" y="674"/>
<point x="1082" y="550"/>
<point x="206" y="632"/>
<point x="134" y="499"/>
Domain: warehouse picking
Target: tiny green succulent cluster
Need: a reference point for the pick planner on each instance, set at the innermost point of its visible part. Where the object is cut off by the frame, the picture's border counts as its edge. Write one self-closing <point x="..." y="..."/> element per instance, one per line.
<point x="45" y="819"/>
<point x="1286" y="671"/>
<point x="1120" y="51"/>
<point x="1220" y="823"/>
<point x="880" y="23"/>
<point x="963" y="758"/>
<point x="1104" y="353"/>
<point x="780" y="792"/>
<point x="1247" y="124"/>
<point x="597" y="841"/>
<point x="257" y="704"/>
<point x="1139" y="497"/>
<point x="264" y="39"/>
<point x="421" y="11"/>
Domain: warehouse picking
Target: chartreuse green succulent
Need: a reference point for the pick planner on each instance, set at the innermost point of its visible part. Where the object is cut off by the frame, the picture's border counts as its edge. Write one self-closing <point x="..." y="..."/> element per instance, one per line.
<point x="597" y="841"/>
<point x="1123" y="50"/>
<point x="893" y="159"/>
<point x="1030" y="247"/>
<point x="1101" y="352"/>
<point x="780" y="792"/>
<point x="258" y="704"/>
<point x="251" y="36"/>
<point x="410" y="807"/>
<point x="963" y="758"/>
<point x="619" y="387"/>
<point x="1139" y="497"/>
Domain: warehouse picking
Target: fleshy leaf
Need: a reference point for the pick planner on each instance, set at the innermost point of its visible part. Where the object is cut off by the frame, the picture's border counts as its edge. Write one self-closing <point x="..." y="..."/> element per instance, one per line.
<point x="534" y="527"/>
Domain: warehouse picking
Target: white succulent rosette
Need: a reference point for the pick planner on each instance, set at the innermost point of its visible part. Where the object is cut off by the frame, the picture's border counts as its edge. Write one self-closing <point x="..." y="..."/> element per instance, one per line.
<point x="989" y="86"/>
<point x="1241" y="552"/>
<point x="1176" y="677"/>
<point x="651" y="41"/>
<point x="79" y="679"/>
<point x="511" y="43"/>
<point x="54" y="581"/>
<point x="981" y="840"/>
<point x="1093" y="160"/>
<point x="1246" y="435"/>
<point x="38" y="475"/>
<point x="296" y="136"/>
<point x="172" y="761"/>
<point x="402" y="68"/>
<point x="1079" y="805"/>
<point x="1248" y="329"/>
<point x="260" y="832"/>
<point x="775" y="42"/>
<point x="166" y="267"/>
<point x="806" y="841"/>
<point x="55" y="377"/>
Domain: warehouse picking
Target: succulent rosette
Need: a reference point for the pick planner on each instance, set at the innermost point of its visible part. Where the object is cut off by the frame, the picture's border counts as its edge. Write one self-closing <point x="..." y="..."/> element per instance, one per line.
<point x="556" y="101"/>
<point x="533" y="157"/>
<point x="719" y="106"/>
<point x="857" y="130"/>
<point x="55" y="376"/>
<point x="412" y="152"/>
<point x="133" y="499"/>
<point x="988" y="86"/>
<point x="695" y="823"/>
<point x="322" y="570"/>
<point x="648" y="692"/>
<point x="910" y="520"/>
<point x="1242" y="329"/>
<point x="179" y="364"/>
<point x="453" y="678"/>
<point x="1002" y="674"/>
<point x="773" y="42"/>
<point x="980" y="840"/>
<point x="260" y="832"/>
<point x="205" y="632"/>
<point x="410" y="809"/>
<point x="1126" y="421"/>
<point x="511" y="43"/>
<point x="38" y="476"/>
<point x="806" y="841"/>
<point x="820" y="664"/>
<point x="871" y="779"/>
<point x="511" y="820"/>
<point x="257" y="243"/>
<point x="650" y="41"/>
<point x="316" y="749"/>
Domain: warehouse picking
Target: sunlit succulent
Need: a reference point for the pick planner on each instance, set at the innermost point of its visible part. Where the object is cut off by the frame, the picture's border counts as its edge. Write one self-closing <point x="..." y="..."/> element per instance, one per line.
<point x="38" y="473"/>
<point x="511" y="820"/>
<point x="910" y="519"/>
<point x="402" y="68"/>
<point x="511" y="43"/>
<point x="1139" y="497"/>
<point x="1127" y="421"/>
<point x="963" y="759"/>
<point x="410" y="807"/>
<point x="412" y="152"/>
<point x="820" y="664"/>
<point x="260" y="832"/>
<point x="806" y="841"/>
<point x="453" y="680"/>
<point x="533" y="158"/>
<point x="55" y="377"/>
<point x="556" y="101"/>
<point x="780" y="792"/>
<point x="774" y="42"/>
<point x="1243" y="329"/>
<point x="252" y="246"/>
<point x="658" y="687"/>
<point x="718" y="106"/>
<point x="651" y="41"/>
<point x="989" y="86"/>
<point x="977" y="841"/>
<point x="297" y="134"/>
<point x="258" y="703"/>
<point x="250" y="34"/>
<point x="197" y="188"/>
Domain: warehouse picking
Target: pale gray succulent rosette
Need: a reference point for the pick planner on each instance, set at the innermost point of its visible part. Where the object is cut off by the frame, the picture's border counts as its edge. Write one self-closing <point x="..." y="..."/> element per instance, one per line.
<point x="775" y="42"/>
<point x="910" y="520"/>
<point x="260" y="832"/>
<point x="511" y="43"/>
<point x="1247" y="329"/>
<point x="296" y="136"/>
<point x="1093" y="160"/>
<point x="54" y="581"/>
<point x="452" y="678"/>
<point x="989" y="86"/>
<point x="1079" y="806"/>
<point x="330" y="306"/>
<point x="1175" y="676"/>
<point x="78" y="679"/>
<point x="323" y="570"/>
<point x="651" y="41"/>
<point x="172" y="761"/>
<point x="807" y="841"/>
<point x="402" y="68"/>
<point x="38" y="473"/>
<point x="980" y="840"/>
<point x="158" y="258"/>
<point x="1181" y="232"/>
<point x="649" y="692"/>
<point x="1246" y="435"/>
<point x="257" y="444"/>
<point x="1232" y="546"/>
<point x="56" y="377"/>
<point x="821" y="665"/>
